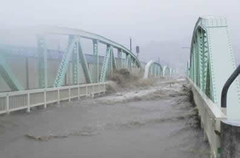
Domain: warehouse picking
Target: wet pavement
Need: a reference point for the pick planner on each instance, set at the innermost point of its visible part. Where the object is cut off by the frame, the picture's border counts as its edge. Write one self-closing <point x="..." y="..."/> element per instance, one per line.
<point x="153" y="122"/>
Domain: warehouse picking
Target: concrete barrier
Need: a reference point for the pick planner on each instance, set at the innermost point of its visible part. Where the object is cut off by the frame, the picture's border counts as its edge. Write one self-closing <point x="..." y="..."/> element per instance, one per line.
<point x="211" y="117"/>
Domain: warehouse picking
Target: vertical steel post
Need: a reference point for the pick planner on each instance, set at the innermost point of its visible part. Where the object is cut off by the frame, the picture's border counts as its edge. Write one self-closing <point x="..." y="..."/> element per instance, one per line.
<point x="63" y="67"/>
<point x="105" y="65"/>
<point x="28" y="102"/>
<point x="84" y="63"/>
<point x="58" y="91"/>
<point x="95" y="74"/>
<point x="27" y="73"/>
<point x="42" y="62"/>
<point x="111" y="62"/>
<point x="45" y="99"/>
<point x="120" y="58"/>
<point x="69" y="94"/>
<point x="7" y="103"/>
<point x="75" y="65"/>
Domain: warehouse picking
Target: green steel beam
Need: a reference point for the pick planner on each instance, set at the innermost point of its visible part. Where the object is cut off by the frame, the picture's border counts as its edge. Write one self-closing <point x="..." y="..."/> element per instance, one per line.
<point x="120" y="59"/>
<point x="87" y="35"/>
<point x="153" y="69"/>
<point x="110" y="66"/>
<point x="114" y="65"/>
<point x="95" y="74"/>
<point x="105" y="64"/>
<point x="75" y="64"/>
<point x="8" y="76"/>
<point x="166" y="71"/>
<point x="127" y="61"/>
<point x="212" y="62"/>
<point x="42" y="62"/>
<point x="65" y="61"/>
<point x="73" y="43"/>
<point x="84" y="63"/>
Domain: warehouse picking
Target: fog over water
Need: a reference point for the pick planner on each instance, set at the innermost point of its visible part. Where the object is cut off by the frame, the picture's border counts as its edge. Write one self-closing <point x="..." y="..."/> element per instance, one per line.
<point x="160" y="27"/>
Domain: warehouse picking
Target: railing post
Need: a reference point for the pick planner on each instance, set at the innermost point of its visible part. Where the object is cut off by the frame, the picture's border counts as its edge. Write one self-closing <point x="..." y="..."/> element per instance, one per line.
<point x="99" y="91"/>
<point x="28" y="102"/>
<point x="104" y="87"/>
<point x="93" y="92"/>
<point x="7" y="103"/>
<point x="78" y="92"/>
<point x="45" y="99"/>
<point x="86" y="90"/>
<point x="69" y="94"/>
<point x="58" y="90"/>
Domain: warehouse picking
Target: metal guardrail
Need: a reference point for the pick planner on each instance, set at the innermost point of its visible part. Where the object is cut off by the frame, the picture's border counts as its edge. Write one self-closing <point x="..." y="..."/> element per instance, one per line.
<point x="14" y="101"/>
<point x="227" y="85"/>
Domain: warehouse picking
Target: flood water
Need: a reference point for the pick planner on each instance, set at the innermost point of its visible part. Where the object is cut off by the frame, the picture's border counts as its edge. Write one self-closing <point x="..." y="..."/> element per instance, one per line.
<point x="158" y="124"/>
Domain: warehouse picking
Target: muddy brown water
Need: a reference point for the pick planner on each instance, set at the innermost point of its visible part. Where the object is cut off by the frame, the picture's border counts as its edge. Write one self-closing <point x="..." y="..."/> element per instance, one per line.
<point x="153" y="128"/>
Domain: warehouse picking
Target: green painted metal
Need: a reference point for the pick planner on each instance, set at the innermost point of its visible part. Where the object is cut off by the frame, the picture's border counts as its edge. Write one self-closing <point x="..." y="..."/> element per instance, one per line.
<point x="212" y="62"/>
<point x="75" y="64"/>
<point x="74" y="56"/>
<point x="84" y="63"/>
<point x="105" y="64"/>
<point x="95" y="74"/>
<point x="114" y="65"/>
<point x="120" y="59"/>
<point x="87" y="35"/>
<point x="8" y="76"/>
<point x="65" y="62"/>
<point x="129" y="62"/>
<point x="166" y="71"/>
<point x="153" y="69"/>
<point x="42" y="62"/>
<point x="110" y="66"/>
<point x="73" y="42"/>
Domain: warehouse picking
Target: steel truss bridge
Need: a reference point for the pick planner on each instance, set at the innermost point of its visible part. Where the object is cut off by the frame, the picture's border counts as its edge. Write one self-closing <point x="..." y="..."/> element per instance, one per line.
<point x="75" y="57"/>
<point x="51" y="76"/>
<point x="211" y="64"/>
<point x="37" y="76"/>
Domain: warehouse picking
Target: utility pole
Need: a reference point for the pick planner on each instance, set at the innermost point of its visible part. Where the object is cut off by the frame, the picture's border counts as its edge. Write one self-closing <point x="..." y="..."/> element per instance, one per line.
<point x="130" y="44"/>
<point x="137" y="50"/>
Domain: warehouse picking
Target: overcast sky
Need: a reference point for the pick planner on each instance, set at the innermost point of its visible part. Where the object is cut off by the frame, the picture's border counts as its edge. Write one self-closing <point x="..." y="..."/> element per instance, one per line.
<point x="145" y="21"/>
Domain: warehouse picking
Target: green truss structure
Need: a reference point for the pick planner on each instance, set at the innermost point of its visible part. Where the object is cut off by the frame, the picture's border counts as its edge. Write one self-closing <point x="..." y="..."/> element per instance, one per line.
<point x="153" y="69"/>
<point x="166" y="71"/>
<point x="212" y="62"/>
<point x="73" y="56"/>
<point x="8" y="76"/>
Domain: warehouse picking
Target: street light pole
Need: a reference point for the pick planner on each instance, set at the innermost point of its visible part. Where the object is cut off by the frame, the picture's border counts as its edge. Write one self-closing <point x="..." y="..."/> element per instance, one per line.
<point x="130" y="44"/>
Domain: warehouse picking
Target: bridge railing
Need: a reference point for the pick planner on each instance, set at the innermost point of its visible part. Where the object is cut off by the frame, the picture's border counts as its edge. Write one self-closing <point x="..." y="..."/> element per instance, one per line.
<point x="210" y="115"/>
<point x="19" y="100"/>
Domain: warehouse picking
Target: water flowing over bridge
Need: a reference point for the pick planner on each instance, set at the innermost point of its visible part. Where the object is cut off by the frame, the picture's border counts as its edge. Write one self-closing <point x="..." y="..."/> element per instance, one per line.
<point x="39" y="74"/>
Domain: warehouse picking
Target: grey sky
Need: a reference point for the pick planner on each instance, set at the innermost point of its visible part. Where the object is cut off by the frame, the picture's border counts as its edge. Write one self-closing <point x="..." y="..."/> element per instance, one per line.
<point x="145" y="21"/>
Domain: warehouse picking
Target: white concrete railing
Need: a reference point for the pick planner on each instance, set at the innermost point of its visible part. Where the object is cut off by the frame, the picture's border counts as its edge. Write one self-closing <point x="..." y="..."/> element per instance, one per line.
<point x="14" y="101"/>
<point x="211" y="116"/>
